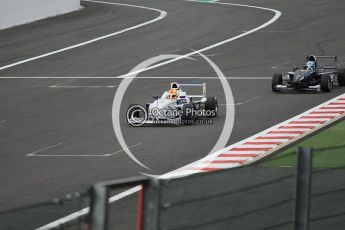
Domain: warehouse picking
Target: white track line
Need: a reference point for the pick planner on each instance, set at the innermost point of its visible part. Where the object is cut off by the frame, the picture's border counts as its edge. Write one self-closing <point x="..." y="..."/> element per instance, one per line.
<point x="62" y="83"/>
<point x="83" y="86"/>
<point x="277" y="14"/>
<point x="162" y="14"/>
<point x="72" y="155"/>
<point x="65" y="219"/>
<point x="280" y="65"/>
<point x="75" y="155"/>
<point x="40" y="150"/>
<point x="132" y="146"/>
<point x="142" y="77"/>
<point x="241" y="103"/>
<point x="84" y="211"/>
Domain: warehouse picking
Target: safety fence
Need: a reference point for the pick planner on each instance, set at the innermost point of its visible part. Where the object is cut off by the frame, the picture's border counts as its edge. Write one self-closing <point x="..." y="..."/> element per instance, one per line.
<point x="255" y="196"/>
<point x="248" y="197"/>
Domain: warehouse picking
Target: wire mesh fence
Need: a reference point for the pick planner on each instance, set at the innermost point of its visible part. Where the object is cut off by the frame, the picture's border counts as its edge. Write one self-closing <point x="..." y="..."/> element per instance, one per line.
<point x="255" y="196"/>
<point x="123" y="213"/>
<point x="250" y="197"/>
<point x="328" y="199"/>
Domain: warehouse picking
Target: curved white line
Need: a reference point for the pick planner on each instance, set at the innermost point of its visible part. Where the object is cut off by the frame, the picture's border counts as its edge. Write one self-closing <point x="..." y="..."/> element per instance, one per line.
<point x="162" y="14"/>
<point x="136" y="71"/>
<point x="135" y="189"/>
<point x="277" y="14"/>
<point x="230" y="108"/>
<point x="120" y="92"/>
<point x="229" y="113"/>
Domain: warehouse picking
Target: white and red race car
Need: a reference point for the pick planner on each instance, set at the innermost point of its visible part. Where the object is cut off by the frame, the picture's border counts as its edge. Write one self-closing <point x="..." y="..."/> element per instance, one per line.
<point x="175" y="106"/>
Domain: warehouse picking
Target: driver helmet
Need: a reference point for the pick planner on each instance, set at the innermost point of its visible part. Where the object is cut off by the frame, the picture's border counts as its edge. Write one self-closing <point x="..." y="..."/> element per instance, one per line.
<point x="172" y="94"/>
<point x="311" y="58"/>
<point x="175" y="85"/>
<point x="310" y="65"/>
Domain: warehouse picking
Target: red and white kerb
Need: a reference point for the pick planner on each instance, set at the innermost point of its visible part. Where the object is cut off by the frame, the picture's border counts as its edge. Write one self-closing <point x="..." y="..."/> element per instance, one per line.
<point x="270" y="140"/>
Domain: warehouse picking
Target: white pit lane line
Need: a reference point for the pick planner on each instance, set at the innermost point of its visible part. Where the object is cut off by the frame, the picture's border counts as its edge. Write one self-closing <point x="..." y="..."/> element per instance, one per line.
<point x="84" y="86"/>
<point x="64" y="85"/>
<point x="43" y="149"/>
<point x="281" y="65"/>
<point x="162" y="14"/>
<point x="133" y="190"/>
<point x="141" y="77"/>
<point x="244" y="102"/>
<point x="35" y="153"/>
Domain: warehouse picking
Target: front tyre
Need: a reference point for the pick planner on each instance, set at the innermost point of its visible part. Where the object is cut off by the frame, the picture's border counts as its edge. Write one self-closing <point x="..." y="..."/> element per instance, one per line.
<point x="211" y="106"/>
<point x="341" y="76"/>
<point x="326" y="83"/>
<point x="277" y="79"/>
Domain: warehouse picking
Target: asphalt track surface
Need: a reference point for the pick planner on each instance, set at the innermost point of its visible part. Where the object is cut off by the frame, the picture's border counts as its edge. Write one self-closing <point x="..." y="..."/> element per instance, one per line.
<point x="77" y="120"/>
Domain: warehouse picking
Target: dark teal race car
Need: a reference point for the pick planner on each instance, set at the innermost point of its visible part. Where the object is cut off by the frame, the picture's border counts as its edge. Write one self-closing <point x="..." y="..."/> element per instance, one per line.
<point x="312" y="77"/>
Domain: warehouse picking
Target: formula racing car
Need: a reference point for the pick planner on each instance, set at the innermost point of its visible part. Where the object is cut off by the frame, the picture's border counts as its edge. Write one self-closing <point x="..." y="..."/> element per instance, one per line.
<point x="175" y="107"/>
<point x="313" y="76"/>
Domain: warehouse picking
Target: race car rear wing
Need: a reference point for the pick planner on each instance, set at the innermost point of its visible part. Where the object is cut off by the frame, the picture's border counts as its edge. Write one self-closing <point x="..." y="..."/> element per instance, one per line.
<point x="203" y="85"/>
<point x="335" y="58"/>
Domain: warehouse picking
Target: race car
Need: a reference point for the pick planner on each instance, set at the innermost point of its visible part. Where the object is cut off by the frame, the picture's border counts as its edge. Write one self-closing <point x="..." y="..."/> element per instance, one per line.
<point x="175" y="106"/>
<point x="312" y="77"/>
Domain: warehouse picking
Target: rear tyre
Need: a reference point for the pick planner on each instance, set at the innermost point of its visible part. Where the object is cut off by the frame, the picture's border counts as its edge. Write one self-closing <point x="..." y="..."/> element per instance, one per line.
<point x="211" y="106"/>
<point x="341" y="76"/>
<point x="187" y="114"/>
<point x="277" y="79"/>
<point x="326" y="83"/>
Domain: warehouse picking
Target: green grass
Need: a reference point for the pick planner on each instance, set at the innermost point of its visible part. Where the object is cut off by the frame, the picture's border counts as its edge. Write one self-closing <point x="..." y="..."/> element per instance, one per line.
<point x="329" y="149"/>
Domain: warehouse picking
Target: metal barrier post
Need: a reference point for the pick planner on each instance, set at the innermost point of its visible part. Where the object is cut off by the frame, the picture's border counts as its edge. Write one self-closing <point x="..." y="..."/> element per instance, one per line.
<point x="151" y="204"/>
<point x="99" y="207"/>
<point x="303" y="189"/>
